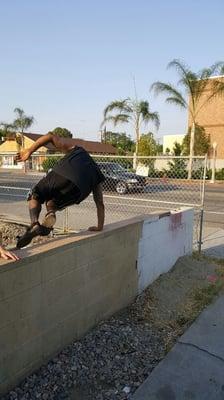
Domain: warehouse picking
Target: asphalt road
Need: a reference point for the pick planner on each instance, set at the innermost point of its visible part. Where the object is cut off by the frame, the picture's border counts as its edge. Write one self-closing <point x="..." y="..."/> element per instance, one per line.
<point x="158" y="195"/>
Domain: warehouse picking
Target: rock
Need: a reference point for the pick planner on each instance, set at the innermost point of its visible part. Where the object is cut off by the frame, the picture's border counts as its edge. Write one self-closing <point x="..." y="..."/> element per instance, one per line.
<point x="126" y="389"/>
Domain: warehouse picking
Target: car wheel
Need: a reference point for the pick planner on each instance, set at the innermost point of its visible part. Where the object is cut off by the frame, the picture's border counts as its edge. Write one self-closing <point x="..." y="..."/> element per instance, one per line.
<point x="121" y="188"/>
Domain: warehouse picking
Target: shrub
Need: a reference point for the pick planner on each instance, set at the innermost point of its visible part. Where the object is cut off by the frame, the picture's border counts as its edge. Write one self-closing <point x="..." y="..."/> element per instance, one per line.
<point x="50" y="162"/>
<point x="219" y="175"/>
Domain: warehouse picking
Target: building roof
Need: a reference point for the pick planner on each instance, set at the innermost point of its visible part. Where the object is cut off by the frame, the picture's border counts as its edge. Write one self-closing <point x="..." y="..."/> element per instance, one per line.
<point x="90" y="146"/>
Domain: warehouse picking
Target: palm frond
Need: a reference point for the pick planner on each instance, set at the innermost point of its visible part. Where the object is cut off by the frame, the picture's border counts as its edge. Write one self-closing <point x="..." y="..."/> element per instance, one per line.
<point x="118" y="105"/>
<point x="116" y="119"/>
<point x="146" y="114"/>
<point x="188" y="81"/>
<point x="172" y="92"/>
<point x="176" y="101"/>
<point x="152" y="117"/>
<point x="143" y="107"/>
<point x="180" y="66"/>
<point x="23" y="122"/>
<point x="187" y="77"/>
<point x="19" y="111"/>
<point x="217" y="68"/>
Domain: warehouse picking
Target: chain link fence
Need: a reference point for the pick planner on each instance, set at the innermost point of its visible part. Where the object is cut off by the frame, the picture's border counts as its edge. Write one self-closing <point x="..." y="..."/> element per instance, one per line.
<point x="133" y="186"/>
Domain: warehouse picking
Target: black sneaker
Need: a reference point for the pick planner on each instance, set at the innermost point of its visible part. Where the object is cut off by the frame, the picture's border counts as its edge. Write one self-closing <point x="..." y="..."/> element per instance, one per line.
<point x="34" y="230"/>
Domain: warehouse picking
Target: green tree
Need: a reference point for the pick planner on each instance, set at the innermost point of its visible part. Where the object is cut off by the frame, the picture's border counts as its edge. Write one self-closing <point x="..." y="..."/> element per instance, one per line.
<point x="159" y="149"/>
<point x="194" y="85"/>
<point x="177" y="149"/>
<point x="22" y="122"/>
<point x="130" y="111"/>
<point x="63" y="132"/>
<point x="201" y="143"/>
<point x="121" y="141"/>
<point x="6" y="129"/>
<point x="167" y="151"/>
<point x="147" y="145"/>
<point x="177" y="167"/>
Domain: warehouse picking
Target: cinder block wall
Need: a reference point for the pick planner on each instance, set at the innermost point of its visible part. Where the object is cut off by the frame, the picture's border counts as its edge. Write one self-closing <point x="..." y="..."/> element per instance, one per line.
<point x="59" y="290"/>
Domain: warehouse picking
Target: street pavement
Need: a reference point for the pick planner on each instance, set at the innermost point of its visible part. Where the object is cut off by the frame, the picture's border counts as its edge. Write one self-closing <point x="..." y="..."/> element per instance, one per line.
<point x="158" y="196"/>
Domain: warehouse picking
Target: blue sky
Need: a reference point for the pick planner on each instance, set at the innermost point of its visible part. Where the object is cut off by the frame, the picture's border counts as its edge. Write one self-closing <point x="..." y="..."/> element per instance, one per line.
<point x="64" y="61"/>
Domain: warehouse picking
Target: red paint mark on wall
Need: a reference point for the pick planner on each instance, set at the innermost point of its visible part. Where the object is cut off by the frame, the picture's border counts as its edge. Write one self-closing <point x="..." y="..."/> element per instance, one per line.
<point x="175" y="221"/>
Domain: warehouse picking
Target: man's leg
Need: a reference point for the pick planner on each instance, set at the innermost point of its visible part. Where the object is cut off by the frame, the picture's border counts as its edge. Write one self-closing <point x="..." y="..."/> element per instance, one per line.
<point x="35" y="229"/>
<point x="34" y="210"/>
<point x="50" y="218"/>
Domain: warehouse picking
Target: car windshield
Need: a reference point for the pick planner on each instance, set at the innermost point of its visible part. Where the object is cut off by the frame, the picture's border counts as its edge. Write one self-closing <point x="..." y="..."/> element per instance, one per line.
<point x="112" y="167"/>
<point x="116" y="168"/>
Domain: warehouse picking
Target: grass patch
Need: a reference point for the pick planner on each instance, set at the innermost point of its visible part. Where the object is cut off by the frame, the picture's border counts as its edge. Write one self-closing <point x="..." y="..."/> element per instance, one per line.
<point x="197" y="300"/>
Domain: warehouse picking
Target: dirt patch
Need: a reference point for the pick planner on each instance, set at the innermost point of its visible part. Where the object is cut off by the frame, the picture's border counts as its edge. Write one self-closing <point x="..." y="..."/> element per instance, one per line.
<point x="175" y="299"/>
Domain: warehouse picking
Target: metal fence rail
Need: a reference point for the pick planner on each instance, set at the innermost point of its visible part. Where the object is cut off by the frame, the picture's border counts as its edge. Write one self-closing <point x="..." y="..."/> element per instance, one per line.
<point x="132" y="186"/>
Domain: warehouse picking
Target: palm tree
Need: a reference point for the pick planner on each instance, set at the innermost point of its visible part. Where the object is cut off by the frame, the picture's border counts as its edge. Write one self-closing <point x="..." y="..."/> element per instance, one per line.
<point x="22" y="122"/>
<point x="194" y="85"/>
<point x="130" y="111"/>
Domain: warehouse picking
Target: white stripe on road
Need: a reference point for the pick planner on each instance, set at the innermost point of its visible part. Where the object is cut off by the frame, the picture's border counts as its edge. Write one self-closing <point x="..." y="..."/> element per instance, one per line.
<point x="13" y="195"/>
<point x="214" y="212"/>
<point x="13" y="188"/>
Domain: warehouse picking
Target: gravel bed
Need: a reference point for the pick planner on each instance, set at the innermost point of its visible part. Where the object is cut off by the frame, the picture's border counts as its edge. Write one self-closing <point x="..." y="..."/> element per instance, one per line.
<point x="110" y="362"/>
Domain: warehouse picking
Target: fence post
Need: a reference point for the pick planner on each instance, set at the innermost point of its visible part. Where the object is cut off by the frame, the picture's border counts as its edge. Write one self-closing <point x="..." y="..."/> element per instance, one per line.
<point x="202" y="207"/>
<point x="200" y="230"/>
<point x="65" y="222"/>
<point x="134" y="161"/>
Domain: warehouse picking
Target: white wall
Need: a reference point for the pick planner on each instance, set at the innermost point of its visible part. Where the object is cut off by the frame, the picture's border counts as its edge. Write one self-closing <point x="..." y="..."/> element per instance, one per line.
<point x="162" y="242"/>
<point x="219" y="163"/>
<point x="169" y="141"/>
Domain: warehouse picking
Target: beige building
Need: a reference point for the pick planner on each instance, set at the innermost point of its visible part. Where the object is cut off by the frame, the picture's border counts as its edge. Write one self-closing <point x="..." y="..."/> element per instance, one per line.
<point x="211" y="117"/>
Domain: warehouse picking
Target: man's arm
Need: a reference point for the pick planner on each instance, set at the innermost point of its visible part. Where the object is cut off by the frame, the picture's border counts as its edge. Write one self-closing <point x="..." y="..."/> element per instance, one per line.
<point x="62" y="144"/>
<point x="98" y="198"/>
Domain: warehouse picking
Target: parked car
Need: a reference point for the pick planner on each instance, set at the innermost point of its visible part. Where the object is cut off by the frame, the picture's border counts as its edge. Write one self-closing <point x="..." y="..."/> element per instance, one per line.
<point x="120" y="180"/>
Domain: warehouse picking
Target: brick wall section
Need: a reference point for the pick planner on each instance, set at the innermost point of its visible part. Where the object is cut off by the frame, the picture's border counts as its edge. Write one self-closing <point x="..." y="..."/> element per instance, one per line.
<point x="211" y="117"/>
<point x="50" y="299"/>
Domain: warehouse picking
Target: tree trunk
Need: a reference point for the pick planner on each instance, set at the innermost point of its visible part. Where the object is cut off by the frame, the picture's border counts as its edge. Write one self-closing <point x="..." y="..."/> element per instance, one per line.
<point x="191" y="150"/>
<point x="137" y="137"/>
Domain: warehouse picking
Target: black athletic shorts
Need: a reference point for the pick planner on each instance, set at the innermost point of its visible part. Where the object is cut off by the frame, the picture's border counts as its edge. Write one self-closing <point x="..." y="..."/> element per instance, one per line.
<point x="57" y="188"/>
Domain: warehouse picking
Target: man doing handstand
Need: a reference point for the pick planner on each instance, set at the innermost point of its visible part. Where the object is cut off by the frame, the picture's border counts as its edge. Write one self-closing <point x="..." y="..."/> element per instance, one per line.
<point x="71" y="180"/>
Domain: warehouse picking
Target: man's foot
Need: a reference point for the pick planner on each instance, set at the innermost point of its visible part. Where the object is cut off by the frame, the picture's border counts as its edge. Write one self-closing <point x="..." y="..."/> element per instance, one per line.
<point x="49" y="219"/>
<point x="34" y="230"/>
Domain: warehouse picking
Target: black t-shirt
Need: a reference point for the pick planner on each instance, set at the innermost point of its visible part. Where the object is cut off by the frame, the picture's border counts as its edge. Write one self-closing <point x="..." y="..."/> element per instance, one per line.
<point x="79" y="167"/>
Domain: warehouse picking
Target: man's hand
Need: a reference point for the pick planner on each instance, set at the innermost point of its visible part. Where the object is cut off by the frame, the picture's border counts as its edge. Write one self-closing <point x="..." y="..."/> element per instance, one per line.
<point x="95" y="229"/>
<point x="8" y="255"/>
<point x="23" y="155"/>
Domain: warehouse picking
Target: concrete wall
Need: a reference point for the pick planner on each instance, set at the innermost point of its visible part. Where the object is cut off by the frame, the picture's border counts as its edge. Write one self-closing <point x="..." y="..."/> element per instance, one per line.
<point x="163" y="241"/>
<point x="61" y="289"/>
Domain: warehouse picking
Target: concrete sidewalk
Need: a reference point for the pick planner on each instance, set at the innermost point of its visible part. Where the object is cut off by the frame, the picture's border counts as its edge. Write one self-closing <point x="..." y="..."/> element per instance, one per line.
<point x="213" y="242"/>
<point x="194" y="368"/>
